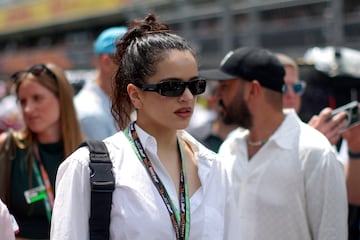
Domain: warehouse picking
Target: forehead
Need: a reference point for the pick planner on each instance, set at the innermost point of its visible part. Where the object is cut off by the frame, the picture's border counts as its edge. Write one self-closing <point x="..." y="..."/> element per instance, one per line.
<point x="30" y="86"/>
<point x="232" y="82"/>
<point x="176" y="64"/>
<point x="291" y="74"/>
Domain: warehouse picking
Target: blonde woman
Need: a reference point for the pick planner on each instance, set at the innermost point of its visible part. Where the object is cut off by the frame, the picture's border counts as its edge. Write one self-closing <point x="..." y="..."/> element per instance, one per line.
<point x="52" y="132"/>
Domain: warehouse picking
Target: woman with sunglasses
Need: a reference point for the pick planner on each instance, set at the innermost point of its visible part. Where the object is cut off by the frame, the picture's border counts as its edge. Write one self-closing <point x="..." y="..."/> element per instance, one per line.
<point x="51" y="133"/>
<point x="167" y="185"/>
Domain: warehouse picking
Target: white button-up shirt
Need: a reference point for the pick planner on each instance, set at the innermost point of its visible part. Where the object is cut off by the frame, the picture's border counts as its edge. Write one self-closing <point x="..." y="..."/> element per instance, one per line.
<point x="138" y="211"/>
<point x="293" y="188"/>
<point x="6" y="228"/>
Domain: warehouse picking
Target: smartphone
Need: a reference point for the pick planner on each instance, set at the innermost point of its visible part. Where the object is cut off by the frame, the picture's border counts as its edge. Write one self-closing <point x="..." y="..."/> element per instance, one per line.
<point x="352" y="112"/>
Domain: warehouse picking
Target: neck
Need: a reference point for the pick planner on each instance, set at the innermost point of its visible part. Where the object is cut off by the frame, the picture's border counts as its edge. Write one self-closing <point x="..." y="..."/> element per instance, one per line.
<point x="263" y="129"/>
<point x="167" y="150"/>
<point x="48" y="137"/>
<point x="104" y="84"/>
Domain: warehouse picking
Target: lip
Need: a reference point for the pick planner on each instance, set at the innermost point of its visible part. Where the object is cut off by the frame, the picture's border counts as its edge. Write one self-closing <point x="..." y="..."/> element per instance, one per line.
<point x="184" y="112"/>
<point x="32" y="118"/>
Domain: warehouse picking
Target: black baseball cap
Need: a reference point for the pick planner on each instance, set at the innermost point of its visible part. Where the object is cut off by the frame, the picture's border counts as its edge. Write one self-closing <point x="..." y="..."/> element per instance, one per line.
<point x="249" y="64"/>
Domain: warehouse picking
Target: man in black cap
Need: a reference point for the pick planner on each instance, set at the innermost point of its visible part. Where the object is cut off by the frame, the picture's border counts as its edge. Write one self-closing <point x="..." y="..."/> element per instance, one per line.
<point x="286" y="175"/>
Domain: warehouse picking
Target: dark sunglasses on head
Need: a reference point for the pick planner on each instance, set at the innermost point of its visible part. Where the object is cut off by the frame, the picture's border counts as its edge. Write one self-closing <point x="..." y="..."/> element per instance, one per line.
<point x="298" y="88"/>
<point x="35" y="70"/>
<point x="175" y="87"/>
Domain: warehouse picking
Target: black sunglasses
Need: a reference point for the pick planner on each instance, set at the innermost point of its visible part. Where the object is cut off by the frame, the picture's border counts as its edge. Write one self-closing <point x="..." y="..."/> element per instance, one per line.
<point x="175" y="87"/>
<point x="35" y="70"/>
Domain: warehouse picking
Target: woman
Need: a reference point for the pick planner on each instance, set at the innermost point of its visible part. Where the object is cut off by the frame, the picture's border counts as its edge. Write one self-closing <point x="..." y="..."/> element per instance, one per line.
<point x="167" y="185"/>
<point x="52" y="132"/>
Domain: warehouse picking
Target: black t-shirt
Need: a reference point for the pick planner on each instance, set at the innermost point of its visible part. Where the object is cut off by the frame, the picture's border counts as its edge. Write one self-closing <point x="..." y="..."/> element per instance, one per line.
<point x="32" y="218"/>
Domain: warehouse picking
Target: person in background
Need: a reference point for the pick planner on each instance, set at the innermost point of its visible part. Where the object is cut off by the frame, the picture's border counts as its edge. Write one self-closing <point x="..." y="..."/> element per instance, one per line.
<point x="165" y="180"/>
<point x="10" y="114"/>
<point x="7" y="231"/>
<point x="52" y="132"/>
<point x="212" y="132"/>
<point x="331" y="127"/>
<point x="93" y="104"/>
<point x="352" y="170"/>
<point x="289" y="181"/>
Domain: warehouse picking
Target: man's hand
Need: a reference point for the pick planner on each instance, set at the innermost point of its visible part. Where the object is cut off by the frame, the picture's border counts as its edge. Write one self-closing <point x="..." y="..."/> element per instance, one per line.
<point x="331" y="127"/>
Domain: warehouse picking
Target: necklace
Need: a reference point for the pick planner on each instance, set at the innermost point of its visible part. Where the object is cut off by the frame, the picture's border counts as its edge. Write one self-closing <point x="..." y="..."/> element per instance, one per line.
<point x="256" y="143"/>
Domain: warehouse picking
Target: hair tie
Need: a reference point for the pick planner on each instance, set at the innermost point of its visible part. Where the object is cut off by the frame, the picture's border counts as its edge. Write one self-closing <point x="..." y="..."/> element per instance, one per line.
<point x="158" y="31"/>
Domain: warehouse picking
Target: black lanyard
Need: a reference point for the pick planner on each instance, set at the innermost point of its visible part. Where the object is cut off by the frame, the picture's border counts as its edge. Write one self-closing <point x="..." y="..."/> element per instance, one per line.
<point x="180" y="221"/>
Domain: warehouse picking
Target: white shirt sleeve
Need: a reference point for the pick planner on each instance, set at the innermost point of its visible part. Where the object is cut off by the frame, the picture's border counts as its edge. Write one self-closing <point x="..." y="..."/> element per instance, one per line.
<point x="326" y="198"/>
<point x="343" y="152"/>
<point x="72" y="199"/>
<point x="6" y="229"/>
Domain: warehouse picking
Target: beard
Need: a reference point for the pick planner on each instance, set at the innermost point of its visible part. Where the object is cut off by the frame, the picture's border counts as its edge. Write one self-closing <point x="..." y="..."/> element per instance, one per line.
<point x="237" y="112"/>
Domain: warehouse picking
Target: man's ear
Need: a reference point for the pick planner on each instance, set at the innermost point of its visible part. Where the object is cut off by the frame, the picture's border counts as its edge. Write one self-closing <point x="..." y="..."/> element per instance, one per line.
<point x="106" y="60"/>
<point x="135" y="95"/>
<point x="255" y="88"/>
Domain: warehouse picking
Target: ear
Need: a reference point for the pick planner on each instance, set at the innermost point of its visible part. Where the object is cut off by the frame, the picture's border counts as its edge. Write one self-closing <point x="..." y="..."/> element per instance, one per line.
<point x="255" y="88"/>
<point x="135" y="95"/>
<point x="106" y="60"/>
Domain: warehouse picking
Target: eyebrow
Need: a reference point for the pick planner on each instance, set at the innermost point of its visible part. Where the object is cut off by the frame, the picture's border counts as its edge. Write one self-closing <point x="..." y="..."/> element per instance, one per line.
<point x="179" y="79"/>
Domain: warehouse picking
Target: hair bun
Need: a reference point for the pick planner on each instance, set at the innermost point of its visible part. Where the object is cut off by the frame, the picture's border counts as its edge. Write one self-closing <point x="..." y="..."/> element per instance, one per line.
<point x="140" y="28"/>
<point x="147" y="25"/>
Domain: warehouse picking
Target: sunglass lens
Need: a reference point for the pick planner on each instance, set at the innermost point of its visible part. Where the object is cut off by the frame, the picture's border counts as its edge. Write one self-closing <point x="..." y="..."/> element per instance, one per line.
<point x="298" y="87"/>
<point x="197" y="86"/>
<point x="172" y="88"/>
<point x="15" y="76"/>
<point x="176" y="88"/>
<point x="37" y="69"/>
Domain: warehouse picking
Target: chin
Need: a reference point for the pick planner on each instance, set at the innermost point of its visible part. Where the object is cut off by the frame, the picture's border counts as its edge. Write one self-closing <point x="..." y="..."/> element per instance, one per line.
<point x="182" y="125"/>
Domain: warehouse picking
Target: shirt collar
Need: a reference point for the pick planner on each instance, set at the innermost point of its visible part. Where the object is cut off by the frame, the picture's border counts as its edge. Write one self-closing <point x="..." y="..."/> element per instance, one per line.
<point x="284" y="136"/>
<point x="204" y="156"/>
<point x="148" y="141"/>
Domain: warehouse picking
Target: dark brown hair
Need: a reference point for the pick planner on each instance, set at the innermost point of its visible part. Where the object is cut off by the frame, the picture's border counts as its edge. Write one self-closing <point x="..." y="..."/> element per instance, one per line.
<point x="138" y="52"/>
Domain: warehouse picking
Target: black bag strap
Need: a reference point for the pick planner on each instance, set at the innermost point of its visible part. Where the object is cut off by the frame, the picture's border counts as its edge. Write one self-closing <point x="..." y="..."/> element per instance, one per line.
<point x="102" y="183"/>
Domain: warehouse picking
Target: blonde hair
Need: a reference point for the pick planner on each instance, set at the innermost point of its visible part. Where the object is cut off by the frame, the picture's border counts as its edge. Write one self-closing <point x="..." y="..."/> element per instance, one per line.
<point x="68" y="118"/>
<point x="287" y="61"/>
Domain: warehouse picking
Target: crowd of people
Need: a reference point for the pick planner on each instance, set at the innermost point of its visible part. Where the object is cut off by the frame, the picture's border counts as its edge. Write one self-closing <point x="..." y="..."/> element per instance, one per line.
<point x="254" y="170"/>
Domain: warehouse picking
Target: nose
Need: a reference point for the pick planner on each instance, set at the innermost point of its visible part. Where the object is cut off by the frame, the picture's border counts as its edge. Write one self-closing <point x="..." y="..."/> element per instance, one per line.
<point x="218" y="93"/>
<point x="290" y="91"/>
<point x="187" y="95"/>
<point x="27" y="107"/>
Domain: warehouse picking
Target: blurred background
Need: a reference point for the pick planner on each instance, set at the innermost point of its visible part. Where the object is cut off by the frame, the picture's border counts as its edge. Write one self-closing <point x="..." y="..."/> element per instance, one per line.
<point x="62" y="31"/>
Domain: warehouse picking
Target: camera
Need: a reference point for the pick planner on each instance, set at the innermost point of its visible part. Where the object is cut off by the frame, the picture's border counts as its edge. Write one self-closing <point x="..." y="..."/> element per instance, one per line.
<point x="352" y="112"/>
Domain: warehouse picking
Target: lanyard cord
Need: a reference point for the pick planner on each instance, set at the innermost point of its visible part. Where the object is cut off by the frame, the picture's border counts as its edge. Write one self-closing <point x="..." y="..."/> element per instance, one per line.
<point x="42" y="179"/>
<point x="180" y="221"/>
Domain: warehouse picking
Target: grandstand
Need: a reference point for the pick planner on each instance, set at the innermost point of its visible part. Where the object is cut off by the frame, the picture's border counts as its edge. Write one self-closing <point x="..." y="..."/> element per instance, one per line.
<point x="62" y="31"/>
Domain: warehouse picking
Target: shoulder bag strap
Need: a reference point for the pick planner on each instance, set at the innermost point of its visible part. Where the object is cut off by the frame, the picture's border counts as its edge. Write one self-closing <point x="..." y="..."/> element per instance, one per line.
<point x="102" y="183"/>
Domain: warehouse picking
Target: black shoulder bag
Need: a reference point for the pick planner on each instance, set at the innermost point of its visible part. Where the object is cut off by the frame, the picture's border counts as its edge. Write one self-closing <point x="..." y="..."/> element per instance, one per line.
<point x="102" y="183"/>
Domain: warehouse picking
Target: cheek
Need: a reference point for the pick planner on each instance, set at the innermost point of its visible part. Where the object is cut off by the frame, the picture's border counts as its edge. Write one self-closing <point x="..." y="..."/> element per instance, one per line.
<point x="52" y="108"/>
<point x="158" y="105"/>
<point x="231" y="94"/>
